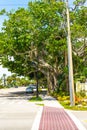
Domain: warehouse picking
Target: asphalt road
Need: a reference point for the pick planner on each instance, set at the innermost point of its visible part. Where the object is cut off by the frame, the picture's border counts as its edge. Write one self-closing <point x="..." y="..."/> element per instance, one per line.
<point x="16" y="112"/>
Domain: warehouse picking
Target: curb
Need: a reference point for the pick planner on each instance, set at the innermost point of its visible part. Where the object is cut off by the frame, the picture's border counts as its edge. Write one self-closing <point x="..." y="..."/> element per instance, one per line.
<point x="76" y="121"/>
<point x="37" y="119"/>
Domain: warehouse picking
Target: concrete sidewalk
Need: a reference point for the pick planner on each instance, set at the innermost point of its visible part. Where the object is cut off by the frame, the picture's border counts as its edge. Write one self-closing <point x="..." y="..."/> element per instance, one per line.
<point x="54" y="117"/>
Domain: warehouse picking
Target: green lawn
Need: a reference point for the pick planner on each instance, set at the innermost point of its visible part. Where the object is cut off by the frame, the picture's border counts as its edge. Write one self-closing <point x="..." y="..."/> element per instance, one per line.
<point x="34" y="99"/>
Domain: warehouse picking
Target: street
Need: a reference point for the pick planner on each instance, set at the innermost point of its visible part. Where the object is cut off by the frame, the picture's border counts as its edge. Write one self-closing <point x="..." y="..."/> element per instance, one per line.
<point x="16" y="113"/>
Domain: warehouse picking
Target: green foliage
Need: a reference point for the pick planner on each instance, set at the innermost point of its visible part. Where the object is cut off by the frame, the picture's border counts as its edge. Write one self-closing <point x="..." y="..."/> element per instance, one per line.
<point x="79" y="40"/>
<point x="80" y="100"/>
<point x="79" y="104"/>
<point x="15" y="80"/>
<point x="81" y="94"/>
<point x="38" y="35"/>
<point x="2" y="11"/>
<point x="34" y="34"/>
<point x="66" y="105"/>
<point x="1" y="86"/>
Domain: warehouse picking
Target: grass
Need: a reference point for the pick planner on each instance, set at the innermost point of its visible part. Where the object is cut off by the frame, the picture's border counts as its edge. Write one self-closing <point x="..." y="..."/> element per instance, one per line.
<point x="40" y="104"/>
<point x="34" y="99"/>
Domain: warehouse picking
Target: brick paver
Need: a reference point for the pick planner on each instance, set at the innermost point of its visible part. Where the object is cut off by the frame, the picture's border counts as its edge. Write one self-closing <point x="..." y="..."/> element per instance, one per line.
<point x="56" y="119"/>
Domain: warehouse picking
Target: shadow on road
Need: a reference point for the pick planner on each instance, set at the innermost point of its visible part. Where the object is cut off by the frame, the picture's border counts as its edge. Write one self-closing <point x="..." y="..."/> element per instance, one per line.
<point x="17" y="95"/>
<point x="22" y="95"/>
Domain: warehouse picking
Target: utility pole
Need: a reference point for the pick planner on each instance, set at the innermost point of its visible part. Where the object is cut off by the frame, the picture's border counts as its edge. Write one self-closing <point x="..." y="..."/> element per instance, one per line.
<point x="70" y="64"/>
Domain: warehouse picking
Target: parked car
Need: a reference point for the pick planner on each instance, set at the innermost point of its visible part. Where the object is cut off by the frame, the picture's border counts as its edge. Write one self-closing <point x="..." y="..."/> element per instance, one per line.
<point x="29" y="90"/>
<point x="16" y="86"/>
<point x="34" y="87"/>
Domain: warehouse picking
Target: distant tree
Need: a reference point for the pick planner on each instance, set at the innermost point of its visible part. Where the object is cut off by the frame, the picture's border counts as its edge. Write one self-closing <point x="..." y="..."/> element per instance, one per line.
<point x="79" y="40"/>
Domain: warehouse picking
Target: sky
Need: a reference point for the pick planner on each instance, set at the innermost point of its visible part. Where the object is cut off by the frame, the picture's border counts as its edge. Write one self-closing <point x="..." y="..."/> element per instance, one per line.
<point x="14" y="4"/>
<point x="9" y="5"/>
<point x="4" y="71"/>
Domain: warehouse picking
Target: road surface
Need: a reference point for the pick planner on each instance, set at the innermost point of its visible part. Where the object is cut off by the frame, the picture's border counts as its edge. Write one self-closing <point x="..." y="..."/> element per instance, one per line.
<point x="16" y="112"/>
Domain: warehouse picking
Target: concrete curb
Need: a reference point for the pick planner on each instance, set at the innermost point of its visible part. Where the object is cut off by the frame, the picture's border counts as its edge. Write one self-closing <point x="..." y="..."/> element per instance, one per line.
<point x="37" y="120"/>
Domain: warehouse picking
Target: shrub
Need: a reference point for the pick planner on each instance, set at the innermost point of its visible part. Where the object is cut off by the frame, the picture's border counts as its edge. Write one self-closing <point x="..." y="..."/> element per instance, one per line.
<point x="81" y="94"/>
<point x="1" y="86"/>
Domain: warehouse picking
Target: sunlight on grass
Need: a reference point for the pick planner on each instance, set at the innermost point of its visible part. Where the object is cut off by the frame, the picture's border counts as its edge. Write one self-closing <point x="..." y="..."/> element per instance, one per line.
<point x="34" y="99"/>
<point x="40" y="104"/>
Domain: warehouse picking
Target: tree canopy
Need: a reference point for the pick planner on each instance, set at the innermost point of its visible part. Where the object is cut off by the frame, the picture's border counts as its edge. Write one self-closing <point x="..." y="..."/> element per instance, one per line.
<point x="37" y="37"/>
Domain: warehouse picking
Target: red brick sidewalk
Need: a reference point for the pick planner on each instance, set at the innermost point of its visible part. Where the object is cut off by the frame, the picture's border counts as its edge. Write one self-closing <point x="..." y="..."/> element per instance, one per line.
<point x="56" y="119"/>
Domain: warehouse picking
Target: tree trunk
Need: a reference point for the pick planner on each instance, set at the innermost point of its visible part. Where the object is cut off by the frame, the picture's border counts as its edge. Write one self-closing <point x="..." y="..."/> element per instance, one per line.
<point x="48" y="82"/>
